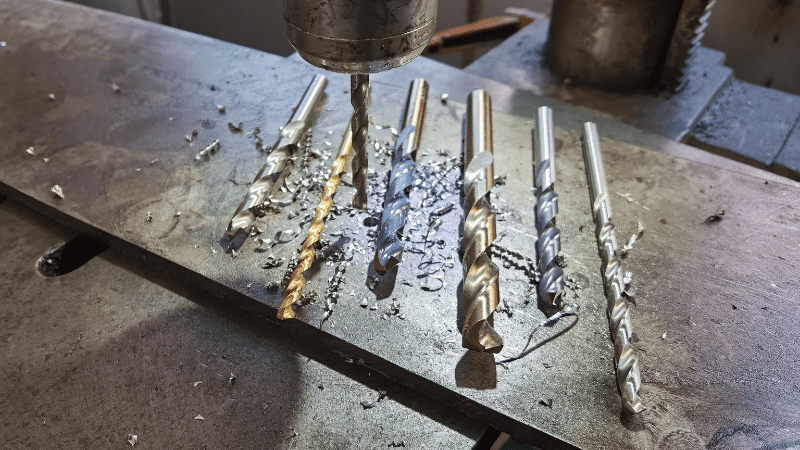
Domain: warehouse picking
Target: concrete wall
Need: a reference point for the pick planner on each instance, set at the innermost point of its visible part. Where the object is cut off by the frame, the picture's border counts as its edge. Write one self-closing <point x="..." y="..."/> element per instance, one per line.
<point x="761" y="39"/>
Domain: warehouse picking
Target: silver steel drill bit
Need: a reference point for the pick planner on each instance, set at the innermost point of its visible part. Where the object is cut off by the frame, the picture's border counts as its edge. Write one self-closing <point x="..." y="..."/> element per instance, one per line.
<point x="389" y="252"/>
<point x="481" y="292"/>
<point x="266" y="179"/>
<point x="551" y="284"/>
<point x="618" y="308"/>
<point x="359" y="98"/>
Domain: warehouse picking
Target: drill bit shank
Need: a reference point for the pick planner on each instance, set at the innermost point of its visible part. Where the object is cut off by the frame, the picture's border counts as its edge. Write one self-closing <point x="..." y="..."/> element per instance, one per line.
<point x="551" y="285"/>
<point x="359" y="98"/>
<point x="481" y="292"/>
<point x="295" y="288"/>
<point x="395" y="208"/>
<point x="618" y="308"/>
<point x="266" y="179"/>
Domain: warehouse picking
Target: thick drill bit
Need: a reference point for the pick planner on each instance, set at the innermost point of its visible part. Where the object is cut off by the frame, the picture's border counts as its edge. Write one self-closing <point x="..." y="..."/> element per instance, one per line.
<point x="395" y="206"/>
<point x="295" y="288"/>
<point x="359" y="98"/>
<point x="481" y="292"/>
<point x="618" y="308"/>
<point x="264" y="183"/>
<point x="551" y="284"/>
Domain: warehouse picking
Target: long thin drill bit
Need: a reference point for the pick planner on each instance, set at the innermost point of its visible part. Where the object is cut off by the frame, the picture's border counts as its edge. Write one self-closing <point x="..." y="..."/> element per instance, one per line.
<point x="481" y="291"/>
<point x="395" y="206"/>
<point x="359" y="98"/>
<point x="264" y="183"/>
<point x="551" y="284"/>
<point x="295" y="288"/>
<point x="618" y="308"/>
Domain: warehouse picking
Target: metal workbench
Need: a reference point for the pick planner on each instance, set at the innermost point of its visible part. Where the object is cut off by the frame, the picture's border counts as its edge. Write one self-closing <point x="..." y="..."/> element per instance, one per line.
<point x="715" y="316"/>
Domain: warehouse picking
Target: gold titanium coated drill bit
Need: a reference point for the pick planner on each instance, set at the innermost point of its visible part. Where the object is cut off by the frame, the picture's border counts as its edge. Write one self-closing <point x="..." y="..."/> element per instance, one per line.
<point x="481" y="292"/>
<point x="258" y="193"/>
<point x="389" y="251"/>
<point x="295" y="288"/>
<point x="548" y="244"/>
<point x="359" y="98"/>
<point x="618" y="308"/>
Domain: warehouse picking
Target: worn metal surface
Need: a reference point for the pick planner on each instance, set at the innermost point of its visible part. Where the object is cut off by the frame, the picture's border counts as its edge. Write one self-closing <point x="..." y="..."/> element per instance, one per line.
<point x="519" y="62"/>
<point x="359" y="37"/>
<point x="787" y="162"/>
<point x="121" y="347"/>
<point x="718" y="376"/>
<point x="748" y="123"/>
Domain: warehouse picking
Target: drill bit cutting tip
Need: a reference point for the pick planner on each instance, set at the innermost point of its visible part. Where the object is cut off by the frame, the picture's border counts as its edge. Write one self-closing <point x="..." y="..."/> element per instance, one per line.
<point x="481" y="293"/>
<point x="618" y="308"/>
<point x="295" y="288"/>
<point x="395" y="207"/>
<point x="266" y="179"/>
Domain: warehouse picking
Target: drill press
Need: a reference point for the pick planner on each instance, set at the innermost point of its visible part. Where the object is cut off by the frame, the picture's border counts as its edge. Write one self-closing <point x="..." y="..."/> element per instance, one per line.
<point x="359" y="37"/>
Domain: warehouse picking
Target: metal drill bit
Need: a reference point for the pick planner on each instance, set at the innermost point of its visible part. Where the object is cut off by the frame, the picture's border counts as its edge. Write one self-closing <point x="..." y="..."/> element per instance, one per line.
<point x="266" y="179"/>
<point x="395" y="207"/>
<point x="295" y="288"/>
<point x="359" y="98"/>
<point x="481" y="292"/>
<point x="551" y="284"/>
<point x="618" y="308"/>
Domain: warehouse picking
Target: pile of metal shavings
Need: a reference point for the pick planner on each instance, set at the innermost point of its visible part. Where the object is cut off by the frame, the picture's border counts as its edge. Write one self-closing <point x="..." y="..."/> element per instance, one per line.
<point x="433" y="199"/>
<point x="332" y="292"/>
<point x="512" y="259"/>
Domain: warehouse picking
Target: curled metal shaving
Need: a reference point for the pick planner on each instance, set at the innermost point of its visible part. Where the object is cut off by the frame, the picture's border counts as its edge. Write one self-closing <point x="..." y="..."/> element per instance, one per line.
<point x="551" y="284"/>
<point x="481" y="291"/>
<point x="266" y="179"/>
<point x="395" y="207"/>
<point x="294" y="290"/>
<point x="618" y="308"/>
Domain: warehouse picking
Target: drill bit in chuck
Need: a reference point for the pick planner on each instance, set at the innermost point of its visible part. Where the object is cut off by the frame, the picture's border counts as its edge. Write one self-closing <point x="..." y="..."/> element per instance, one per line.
<point x="264" y="183"/>
<point x="481" y="292"/>
<point x="551" y="285"/>
<point x="618" y="308"/>
<point x="395" y="207"/>
<point x="295" y="288"/>
<point x="359" y="124"/>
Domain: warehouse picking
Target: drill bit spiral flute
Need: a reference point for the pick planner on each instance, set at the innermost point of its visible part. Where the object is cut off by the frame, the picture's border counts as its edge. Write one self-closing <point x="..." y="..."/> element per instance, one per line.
<point x="395" y="206"/>
<point x="551" y="285"/>
<point x="359" y="98"/>
<point x="618" y="310"/>
<point x="295" y="288"/>
<point x="266" y="179"/>
<point x="481" y="291"/>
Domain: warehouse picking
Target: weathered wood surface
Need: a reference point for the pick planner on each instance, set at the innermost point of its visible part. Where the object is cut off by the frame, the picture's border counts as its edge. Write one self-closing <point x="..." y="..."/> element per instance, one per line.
<point x="720" y="377"/>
